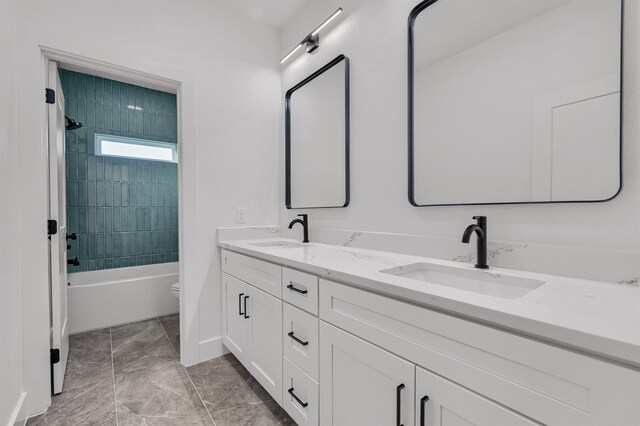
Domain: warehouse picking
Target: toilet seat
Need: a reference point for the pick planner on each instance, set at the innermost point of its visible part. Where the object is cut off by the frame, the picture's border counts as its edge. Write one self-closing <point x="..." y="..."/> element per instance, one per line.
<point x="175" y="290"/>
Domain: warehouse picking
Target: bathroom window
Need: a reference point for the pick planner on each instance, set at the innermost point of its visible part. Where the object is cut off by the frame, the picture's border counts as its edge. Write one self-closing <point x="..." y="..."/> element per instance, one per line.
<point x="143" y="149"/>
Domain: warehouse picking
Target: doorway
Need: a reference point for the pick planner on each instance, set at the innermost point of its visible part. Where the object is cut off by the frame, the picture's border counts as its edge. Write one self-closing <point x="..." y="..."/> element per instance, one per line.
<point x="116" y="213"/>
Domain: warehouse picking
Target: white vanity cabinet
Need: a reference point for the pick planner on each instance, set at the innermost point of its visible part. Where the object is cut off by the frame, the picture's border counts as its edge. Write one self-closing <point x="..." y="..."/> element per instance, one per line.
<point x="361" y="384"/>
<point x="276" y="341"/>
<point x="445" y="403"/>
<point x="300" y="394"/>
<point x="335" y="354"/>
<point x="264" y="334"/>
<point x="542" y="382"/>
<point x="234" y="320"/>
<point x="366" y="385"/>
<point x="252" y="320"/>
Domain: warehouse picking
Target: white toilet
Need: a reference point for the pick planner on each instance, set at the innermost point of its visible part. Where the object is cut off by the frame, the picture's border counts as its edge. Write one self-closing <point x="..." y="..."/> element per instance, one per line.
<point x="175" y="290"/>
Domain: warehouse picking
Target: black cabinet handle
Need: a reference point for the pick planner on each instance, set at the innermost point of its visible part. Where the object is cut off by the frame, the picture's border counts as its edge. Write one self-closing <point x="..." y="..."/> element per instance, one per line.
<point x="245" y="307"/>
<point x="297" y="290"/>
<point x="73" y="236"/>
<point x="240" y="304"/>
<point x="423" y="403"/>
<point x="74" y="261"/>
<point x="297" y="340"/>
<point x="304" y="404"/>
<point x="399" y="404"/>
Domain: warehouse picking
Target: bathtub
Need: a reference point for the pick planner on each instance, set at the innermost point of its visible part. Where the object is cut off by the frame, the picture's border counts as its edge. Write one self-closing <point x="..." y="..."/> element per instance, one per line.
<point x="98" y="299"/>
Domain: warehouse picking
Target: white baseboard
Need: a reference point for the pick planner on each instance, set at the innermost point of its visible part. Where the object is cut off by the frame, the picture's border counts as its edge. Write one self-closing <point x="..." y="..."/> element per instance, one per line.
<point x="13" y="420"/>
<point x="211" y="348"/>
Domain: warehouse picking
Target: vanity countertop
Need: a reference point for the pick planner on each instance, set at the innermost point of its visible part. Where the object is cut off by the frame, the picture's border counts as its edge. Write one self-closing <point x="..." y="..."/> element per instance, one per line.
<point x="590" y="316"/>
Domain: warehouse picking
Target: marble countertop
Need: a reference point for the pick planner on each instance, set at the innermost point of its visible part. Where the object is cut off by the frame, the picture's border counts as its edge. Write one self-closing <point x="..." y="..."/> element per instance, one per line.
<point x="590" y="316"/>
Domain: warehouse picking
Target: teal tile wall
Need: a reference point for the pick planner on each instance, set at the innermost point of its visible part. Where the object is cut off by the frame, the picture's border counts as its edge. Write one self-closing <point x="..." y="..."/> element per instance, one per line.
<point x="124" y="211"/>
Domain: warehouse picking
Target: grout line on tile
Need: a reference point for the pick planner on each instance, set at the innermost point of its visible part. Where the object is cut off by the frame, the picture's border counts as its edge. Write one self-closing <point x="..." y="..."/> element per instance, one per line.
<point x="187" y="373"/>
<point x="198" y="393"/>
<point x="169" y="339"/>
<point x="113" y="378"/>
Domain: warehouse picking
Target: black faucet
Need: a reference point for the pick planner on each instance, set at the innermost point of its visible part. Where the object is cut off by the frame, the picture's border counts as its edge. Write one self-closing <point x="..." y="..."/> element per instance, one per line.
<point x="480" y="228"/>
<point x="305" y="225"/>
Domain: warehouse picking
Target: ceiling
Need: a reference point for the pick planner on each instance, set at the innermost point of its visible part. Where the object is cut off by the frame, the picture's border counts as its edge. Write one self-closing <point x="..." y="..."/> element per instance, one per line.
<point x="275" y="13"/>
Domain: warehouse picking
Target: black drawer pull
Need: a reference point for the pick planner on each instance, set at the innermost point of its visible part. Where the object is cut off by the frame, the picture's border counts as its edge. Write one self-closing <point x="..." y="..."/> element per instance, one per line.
<point x="297" y="290"/>
<point x="399" y="404"/>
<point x="240" y="304"/>
<point x="296" y="339"/>
<point x="304" y="404"/>
<point x="245" y="307"/>
<point x="423" y="403"/>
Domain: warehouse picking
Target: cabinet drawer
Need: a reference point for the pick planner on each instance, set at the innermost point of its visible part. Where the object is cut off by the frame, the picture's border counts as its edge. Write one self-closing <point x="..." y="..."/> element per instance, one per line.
<point x="300" y="327"/>
<point x="300" y="289"/>
<point x="541" y="381"/>
<point x="299" y="395"/>
<point x="263" y="275"/>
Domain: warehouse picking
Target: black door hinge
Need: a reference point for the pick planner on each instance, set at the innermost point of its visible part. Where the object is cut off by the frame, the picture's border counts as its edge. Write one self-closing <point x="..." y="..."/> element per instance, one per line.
<point x="50" y="96"/>
<point x="52" y="227"/>
<point x="55" y="356"/>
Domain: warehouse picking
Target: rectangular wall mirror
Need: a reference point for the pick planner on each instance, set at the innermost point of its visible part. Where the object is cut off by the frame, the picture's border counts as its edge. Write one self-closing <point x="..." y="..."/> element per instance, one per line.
<point x="317" y="138"/>
<point x="514" y="101"/>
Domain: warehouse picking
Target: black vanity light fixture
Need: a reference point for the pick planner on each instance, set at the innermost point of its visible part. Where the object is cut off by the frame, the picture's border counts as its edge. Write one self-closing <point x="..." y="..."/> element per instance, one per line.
<point x="312" y="41"/>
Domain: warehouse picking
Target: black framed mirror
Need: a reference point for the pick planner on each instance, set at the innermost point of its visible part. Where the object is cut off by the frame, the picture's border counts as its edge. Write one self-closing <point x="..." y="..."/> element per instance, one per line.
<point x="317" y="139"/>
<point x="514" y="102"/>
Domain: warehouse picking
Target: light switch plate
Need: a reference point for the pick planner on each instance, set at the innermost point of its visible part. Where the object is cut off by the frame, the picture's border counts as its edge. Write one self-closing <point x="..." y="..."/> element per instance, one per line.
<point x="241" y="215"/>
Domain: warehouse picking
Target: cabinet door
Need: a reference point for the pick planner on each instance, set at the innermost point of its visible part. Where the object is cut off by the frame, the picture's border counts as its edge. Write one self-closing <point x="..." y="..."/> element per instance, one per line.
<point x="362" y="384"/>
<point x="440" y="402"/>
<point x="265" y="340"/>
<point x="234" y="321"/>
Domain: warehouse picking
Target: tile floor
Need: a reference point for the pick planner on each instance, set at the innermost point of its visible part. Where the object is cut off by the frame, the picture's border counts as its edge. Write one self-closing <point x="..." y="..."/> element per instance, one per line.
<point x="131" y="375"/>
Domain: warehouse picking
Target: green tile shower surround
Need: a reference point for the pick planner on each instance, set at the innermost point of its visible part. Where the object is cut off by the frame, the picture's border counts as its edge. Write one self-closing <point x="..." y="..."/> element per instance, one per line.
<point x="124" y="211"/>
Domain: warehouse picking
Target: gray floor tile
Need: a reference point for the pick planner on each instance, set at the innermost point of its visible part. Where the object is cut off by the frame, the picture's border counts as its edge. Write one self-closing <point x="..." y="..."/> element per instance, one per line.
<point x="139" y="345"/>
<point x="263" y="414"/>
<point x="151" y="386"/>
<point x="233" y="396"/>
<point x="89" y="359"/>
<point x="90" y="404"/>
<point x="161" y="394"/>
<point x="224" y="382"/>
<point x="171" y="325"/>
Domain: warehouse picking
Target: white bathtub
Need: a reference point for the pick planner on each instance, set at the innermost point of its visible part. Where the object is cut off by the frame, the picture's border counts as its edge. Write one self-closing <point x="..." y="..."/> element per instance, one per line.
<point x="98" y="299"/>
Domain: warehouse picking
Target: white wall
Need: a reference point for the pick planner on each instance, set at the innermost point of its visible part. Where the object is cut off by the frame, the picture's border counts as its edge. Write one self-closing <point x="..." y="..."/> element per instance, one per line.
<point x="10" y="283"/>
<point x="374" y="36"/>
<point x="229" y="157"/>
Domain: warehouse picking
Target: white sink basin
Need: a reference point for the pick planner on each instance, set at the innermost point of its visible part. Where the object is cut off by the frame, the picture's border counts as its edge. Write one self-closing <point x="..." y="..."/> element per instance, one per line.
<point x="477" y="281"/>
<point x="282" y="244"/>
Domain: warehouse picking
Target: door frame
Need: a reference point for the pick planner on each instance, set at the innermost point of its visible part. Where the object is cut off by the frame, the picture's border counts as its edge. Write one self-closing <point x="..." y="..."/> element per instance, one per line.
<point x="182" y="84"/>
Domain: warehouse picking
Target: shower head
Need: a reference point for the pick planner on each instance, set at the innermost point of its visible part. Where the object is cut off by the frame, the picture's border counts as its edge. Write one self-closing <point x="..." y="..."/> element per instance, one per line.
<point x="72" y="124"/>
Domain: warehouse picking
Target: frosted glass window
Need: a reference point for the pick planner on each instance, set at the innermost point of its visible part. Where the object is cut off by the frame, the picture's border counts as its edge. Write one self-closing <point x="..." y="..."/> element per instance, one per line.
<point x="143" y="149"/>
